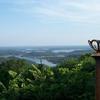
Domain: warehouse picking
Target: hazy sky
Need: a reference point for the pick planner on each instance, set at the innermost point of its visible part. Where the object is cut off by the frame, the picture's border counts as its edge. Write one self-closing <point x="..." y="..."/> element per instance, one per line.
<point x="48" y="22"/>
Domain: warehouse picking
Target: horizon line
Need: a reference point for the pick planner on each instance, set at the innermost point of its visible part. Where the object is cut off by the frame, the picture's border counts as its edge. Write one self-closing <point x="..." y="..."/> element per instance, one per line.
<point x="43" y="45"/>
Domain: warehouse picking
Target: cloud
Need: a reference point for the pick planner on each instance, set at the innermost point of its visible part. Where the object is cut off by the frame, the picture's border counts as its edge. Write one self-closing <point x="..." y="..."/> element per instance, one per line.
<point x="93" y="7"/>
<point x="66" y="10"/>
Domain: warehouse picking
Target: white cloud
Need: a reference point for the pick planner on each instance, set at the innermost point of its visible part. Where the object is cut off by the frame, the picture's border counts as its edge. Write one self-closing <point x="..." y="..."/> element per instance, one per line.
<point x="93" y="7"/>
<point x="67" y="10"/>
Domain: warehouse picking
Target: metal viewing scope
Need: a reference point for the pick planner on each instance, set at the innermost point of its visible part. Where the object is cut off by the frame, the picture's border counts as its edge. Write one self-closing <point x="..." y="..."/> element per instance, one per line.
<point x="95" y="45"/>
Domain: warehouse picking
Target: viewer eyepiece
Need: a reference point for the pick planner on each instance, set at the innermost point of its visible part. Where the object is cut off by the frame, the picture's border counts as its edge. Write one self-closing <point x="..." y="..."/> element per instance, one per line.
<point x="95" y="45"/>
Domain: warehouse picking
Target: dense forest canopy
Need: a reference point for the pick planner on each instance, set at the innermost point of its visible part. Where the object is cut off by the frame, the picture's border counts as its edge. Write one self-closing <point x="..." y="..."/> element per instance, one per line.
<point x="73" y="79"/>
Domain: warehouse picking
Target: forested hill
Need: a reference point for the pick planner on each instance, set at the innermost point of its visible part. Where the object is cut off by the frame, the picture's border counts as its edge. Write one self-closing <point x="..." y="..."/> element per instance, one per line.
<point x="73" y="79"/>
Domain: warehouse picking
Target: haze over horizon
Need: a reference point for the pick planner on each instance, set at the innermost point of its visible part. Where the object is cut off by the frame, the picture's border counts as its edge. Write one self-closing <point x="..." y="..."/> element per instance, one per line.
<point x="48" y="22"/>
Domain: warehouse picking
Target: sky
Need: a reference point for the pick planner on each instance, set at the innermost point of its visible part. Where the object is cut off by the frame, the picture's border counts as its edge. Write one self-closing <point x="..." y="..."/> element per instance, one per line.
<point x="49" y="22"/>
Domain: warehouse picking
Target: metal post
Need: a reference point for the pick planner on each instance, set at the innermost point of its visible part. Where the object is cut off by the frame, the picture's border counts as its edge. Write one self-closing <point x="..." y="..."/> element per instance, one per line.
<point x="95" y="45"/>
<point x="97" y="58"/>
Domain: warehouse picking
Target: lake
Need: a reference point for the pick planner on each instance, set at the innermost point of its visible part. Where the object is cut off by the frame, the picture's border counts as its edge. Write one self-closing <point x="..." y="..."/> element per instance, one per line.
<point x="37" y="61"/>
<point x="34" y="54"/>
<point x="34" y="60"/>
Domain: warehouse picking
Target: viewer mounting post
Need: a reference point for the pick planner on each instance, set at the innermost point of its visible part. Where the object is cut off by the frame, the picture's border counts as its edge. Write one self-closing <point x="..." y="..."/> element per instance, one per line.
<point x="95" y="45"/>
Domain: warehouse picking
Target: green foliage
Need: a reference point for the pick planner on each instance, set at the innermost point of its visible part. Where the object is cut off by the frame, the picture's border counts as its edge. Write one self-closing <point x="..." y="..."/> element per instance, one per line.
<point x="69" y="63"/>
<point x="74" y="79"/>
<point x="12" y="73"/>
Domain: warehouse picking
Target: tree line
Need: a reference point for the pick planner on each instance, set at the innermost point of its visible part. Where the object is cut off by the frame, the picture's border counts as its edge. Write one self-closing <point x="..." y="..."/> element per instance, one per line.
<point x="73" y="79"/>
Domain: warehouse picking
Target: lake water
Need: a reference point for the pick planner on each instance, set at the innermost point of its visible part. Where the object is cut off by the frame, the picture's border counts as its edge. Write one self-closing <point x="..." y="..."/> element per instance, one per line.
<point x="54" y="50"/>
<point x="34" y="60"/>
